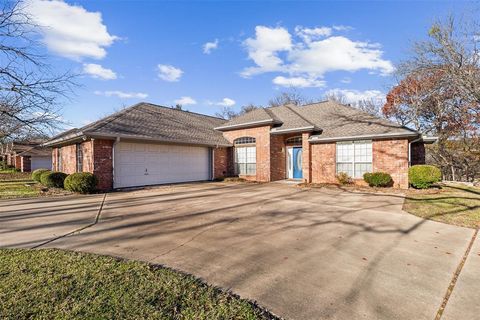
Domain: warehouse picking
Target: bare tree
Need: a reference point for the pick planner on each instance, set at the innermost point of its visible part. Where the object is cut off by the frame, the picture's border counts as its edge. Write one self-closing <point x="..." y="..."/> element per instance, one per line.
<point x="336" y="97"/>
<point x="438" y="92"/>
<point x="30" y="92"/>
<point x="292" y="96"/>
<point x="229" y="113"/>
<point x="372" y="106"/>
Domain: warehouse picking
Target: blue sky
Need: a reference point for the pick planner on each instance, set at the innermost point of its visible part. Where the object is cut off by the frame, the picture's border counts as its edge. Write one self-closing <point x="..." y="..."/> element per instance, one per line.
<point x="209" y="54"/>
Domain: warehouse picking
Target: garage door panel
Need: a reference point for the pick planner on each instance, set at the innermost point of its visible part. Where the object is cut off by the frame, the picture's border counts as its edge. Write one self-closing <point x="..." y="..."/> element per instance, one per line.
<point x="147" y="164"/>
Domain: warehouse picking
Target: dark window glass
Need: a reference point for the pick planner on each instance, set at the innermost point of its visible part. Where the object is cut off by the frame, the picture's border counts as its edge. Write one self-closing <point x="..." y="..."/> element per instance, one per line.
<point x="79" y="157"/>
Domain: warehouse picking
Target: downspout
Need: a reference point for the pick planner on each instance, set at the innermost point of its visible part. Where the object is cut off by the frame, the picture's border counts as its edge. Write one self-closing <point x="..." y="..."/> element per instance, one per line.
<point x="213" y="163"/>
<point x="410" y="149"/>
<point x="117" y="140"/>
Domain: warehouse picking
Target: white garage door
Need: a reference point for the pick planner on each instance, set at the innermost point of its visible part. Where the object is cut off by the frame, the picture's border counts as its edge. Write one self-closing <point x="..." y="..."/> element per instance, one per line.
<point x="139" y="164"/>
<point x="40" y="163"/>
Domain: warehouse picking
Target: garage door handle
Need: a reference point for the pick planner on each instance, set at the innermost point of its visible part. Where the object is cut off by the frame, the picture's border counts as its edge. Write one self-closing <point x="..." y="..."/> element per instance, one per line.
<point x="146" y="172"/>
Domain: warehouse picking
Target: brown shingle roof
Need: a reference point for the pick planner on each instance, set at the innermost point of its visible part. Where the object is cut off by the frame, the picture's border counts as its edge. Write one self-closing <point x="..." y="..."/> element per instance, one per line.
<point x="330" y="119"/>
<point x="152" y="122"/>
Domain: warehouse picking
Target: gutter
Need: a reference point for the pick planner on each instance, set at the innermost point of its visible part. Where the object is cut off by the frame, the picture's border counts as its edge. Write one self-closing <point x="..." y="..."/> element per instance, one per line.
<point x="318" y="138"/>
<point x="428" y="140"/>
<point x="302" y="129"/>
<point x="127" y="136"/>
<point x="246" y="124"/>
<point x="65" y="139"/>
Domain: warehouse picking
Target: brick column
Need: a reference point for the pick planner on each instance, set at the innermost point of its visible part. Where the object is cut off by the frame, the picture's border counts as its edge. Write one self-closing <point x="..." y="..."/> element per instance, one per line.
<point x="306" y="158"/>
<point x="26" y="164"/>
<point x="18" y="162"/>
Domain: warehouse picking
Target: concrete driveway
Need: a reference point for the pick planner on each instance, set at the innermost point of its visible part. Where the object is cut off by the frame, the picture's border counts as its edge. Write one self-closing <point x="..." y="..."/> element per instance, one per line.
<point x="302" y="253"/>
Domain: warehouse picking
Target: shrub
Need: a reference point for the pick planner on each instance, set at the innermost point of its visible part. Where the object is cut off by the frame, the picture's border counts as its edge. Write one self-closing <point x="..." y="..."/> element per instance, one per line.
<point x="423" y="176"/>
<point x="37" y="173"/>
<point x="82" y="182"/>
<point x="378" y="179"/>
<point x="344" y="178"/>
<point x="53" y="179"/>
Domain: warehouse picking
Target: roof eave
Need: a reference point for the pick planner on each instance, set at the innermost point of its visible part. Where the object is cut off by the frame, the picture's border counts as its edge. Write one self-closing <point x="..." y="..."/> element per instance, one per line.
<point x="319" y="138"/>
<point x="247" y="125"/>
<point x="301" y="129"/>
<point x="145" y="138"/>
<point x="63" y="140"/>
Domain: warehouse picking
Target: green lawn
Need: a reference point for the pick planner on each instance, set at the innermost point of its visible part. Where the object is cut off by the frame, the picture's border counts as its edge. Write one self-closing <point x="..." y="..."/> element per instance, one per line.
<point x="55" y="284"/>
<point x="14" y="184"/>
<point x="18" y="189"/>
<point x="453" y="204"/>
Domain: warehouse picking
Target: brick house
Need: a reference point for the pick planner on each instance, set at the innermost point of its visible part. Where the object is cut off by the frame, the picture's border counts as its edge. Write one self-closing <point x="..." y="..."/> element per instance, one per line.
<point x="26" y="156"/>
<point x="148" y="144"/>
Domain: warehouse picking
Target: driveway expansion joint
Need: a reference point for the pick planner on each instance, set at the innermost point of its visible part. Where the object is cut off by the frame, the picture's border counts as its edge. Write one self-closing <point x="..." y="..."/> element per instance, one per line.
<point x="455" y="277"/>
<point x="97" y="218"/>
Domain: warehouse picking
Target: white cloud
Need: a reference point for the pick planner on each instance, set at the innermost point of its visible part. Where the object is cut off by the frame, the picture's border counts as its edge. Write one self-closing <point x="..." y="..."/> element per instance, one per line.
<point x="353" y="96"/>
<point x="97" y="71"/>
<point x="298" y="82"/>
<point x="342" y="28"/>
<point x="210" y="46"/>
<point x="310" y="55"/>
<point x="308" y="34"/>
<point x="185" y="101"/>
<point x="264" y="49"/>
<point x="346" y="80"/>
<point x="169" y="73"/>
<point x="70" y="30"/>
<point x="122" y="94"/>
<point x="226" y="102"/>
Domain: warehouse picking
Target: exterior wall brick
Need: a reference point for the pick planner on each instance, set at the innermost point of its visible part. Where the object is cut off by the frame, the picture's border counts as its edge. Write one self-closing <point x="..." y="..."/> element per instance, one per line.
<point x="262" y="136"/>
<point x="391" y="156"/>
<point x="323" y="163"/>
<point x="222" y="162"/>
<point x="417" y="153"/>
<point x="69" y="161"/>
<point x="97" y="159"/>
<point x="306" y="158"/>
<point x="103" y="163"/>
<point x="18" y="162"/>
<point x="26" y="164"/>
<point x="278" y="158"/>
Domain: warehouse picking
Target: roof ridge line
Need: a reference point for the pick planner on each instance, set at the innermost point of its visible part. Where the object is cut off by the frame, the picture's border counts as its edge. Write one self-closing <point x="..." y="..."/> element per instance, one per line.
<point x="186" y="111"/>
<point x="298" y="114"/>
<point x="112" y="117"/>
<point x="271" y="115"/>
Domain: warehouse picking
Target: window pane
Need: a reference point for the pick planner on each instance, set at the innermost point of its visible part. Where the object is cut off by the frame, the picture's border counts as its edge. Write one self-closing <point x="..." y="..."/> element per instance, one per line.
<point x="251" y="169"/>
<point x="345" y="167"/>
<point x="361" y="168"/>
<point x="251" y="155"/>
<point x="363" y="151"/>
<point x="241" y="155"/>
<point x="345" y="152"/>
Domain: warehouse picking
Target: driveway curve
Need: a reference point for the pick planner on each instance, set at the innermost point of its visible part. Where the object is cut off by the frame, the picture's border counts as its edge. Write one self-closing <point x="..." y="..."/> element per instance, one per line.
<point x="302" y="253"/>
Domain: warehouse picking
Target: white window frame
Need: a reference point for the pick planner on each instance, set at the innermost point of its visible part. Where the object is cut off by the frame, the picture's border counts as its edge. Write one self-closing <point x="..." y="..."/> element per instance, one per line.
<point x="248" y="163"/>
<point x="246" y="147"/>
<point x="353" y="162"/>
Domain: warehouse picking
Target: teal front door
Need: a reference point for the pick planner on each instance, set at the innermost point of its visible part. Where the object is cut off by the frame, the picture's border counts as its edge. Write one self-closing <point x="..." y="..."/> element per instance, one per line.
<point x="297" y="163"/>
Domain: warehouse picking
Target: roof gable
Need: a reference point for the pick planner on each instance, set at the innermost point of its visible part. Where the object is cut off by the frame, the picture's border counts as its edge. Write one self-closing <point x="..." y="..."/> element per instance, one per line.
<point x="146" y="121"/>
<point x="328" y="118"/>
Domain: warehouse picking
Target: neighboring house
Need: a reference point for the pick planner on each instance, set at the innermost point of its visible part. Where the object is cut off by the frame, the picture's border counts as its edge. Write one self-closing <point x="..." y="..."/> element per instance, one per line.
<point x="26" y="155"/>
<point x="148" y="144"/>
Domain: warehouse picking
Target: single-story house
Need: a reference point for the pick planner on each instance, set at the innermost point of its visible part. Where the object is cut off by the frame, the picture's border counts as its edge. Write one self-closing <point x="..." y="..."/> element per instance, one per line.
<point x="148" y="144"/>
<point x="26" y="156"/>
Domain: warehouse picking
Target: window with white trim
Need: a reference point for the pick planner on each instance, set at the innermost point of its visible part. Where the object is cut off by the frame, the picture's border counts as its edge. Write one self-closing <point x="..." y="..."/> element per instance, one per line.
<point x="354" y="157"/>
<point x="245" y="156"/>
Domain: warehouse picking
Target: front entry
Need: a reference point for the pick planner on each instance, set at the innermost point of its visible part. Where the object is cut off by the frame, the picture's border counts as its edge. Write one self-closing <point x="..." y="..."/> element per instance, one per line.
<point x="294" y="163"/>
